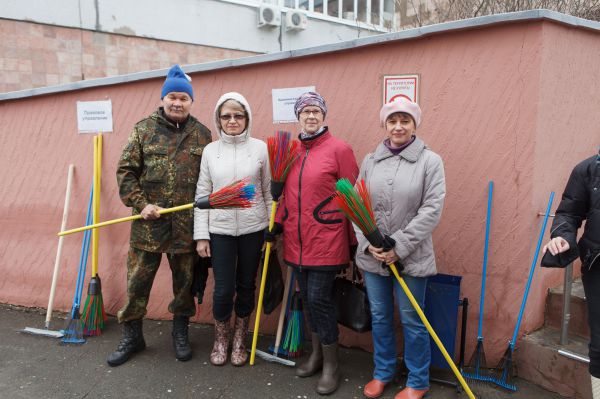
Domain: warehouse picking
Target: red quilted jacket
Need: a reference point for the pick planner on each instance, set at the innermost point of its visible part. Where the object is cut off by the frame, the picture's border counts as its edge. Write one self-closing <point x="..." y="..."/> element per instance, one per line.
<point x="316" y="233"/>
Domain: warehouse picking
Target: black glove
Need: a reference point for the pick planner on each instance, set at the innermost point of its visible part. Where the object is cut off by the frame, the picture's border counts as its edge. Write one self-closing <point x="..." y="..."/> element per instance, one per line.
<point x="271" y="235"/>
<point x="388" y="243"/>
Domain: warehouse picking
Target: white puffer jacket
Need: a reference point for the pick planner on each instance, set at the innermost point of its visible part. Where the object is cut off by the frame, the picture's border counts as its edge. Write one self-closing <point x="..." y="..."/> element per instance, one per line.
<point x="223" y="161"/>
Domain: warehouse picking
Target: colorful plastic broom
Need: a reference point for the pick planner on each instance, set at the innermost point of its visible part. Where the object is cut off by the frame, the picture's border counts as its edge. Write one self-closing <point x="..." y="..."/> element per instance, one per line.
<point x="93" y="314"/>
<point x="239" y="194"/>
<point x="356" y="205"/>
<point x="293" y="343"/>
<point x="282" y="153"/>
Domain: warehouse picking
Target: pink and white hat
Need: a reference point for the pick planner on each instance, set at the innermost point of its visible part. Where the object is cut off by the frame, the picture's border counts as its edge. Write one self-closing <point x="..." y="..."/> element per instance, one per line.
<point x="401" y="104"/>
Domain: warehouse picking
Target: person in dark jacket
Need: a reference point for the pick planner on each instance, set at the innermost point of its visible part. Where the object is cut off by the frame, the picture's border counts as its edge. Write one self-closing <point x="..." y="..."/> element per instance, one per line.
<point x="317" y="237"/>
<point x="159" y="168"/>
<point x="581" y="201"/>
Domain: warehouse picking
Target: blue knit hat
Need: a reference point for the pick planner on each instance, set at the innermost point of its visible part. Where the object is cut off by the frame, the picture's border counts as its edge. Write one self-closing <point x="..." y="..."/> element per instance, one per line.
<point x="177" y="81"/>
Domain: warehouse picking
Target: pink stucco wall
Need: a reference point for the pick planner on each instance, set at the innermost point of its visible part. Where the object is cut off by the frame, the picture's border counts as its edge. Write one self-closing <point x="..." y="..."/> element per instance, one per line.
<point x="513" y="103"/>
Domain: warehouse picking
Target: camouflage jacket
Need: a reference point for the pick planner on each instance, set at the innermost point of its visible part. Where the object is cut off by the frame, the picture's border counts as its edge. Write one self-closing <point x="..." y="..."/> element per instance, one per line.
<point x="160" y="165"/>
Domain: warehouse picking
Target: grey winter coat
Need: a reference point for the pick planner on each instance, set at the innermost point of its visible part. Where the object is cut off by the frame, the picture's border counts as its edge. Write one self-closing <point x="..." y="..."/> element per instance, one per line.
<point x="407" y="193"/>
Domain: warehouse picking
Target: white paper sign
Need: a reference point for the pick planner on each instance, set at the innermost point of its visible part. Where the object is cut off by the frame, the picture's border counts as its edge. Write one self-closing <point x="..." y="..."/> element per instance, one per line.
<point x="395" y="86"/>
<point x="94" y="116"/>
<point x="283" y="103"/>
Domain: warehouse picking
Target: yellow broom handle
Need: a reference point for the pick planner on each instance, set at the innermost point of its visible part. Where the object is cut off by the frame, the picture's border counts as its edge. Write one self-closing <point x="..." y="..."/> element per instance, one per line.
<point x="99" y="177"/>
<point x="439" y="344"/>
<point x="95" y="207"/>
<point x="263" y="280"/>
<point x="123" y="219"/>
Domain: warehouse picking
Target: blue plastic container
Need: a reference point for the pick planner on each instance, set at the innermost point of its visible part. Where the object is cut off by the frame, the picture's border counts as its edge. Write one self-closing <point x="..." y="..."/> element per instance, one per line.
<point x="442" y="299"/>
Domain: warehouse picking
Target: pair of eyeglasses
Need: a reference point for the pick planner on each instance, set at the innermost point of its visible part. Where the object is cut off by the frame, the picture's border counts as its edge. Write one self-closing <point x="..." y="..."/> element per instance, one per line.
<point x="316" y="112"/>
<point x="237" y="117"/>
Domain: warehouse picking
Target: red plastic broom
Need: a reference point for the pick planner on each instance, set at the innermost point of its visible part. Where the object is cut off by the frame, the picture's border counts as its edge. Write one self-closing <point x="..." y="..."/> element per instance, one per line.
<point x="283" y="151"/>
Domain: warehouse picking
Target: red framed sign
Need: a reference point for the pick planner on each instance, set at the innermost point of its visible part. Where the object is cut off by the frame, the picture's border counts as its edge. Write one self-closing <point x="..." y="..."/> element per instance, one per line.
<point x="395" y="86"/>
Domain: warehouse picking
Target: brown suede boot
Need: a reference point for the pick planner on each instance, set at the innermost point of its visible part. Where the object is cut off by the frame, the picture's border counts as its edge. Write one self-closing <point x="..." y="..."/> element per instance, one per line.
<point x="239" y="356"/>
<point x="330" y="378"/>
<point x="218" y="356"/>
<point x="315" y="360"/>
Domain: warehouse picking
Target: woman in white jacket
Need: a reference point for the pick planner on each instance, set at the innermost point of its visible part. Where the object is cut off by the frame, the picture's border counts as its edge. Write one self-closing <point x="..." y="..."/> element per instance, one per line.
<point x="233" y="238"/>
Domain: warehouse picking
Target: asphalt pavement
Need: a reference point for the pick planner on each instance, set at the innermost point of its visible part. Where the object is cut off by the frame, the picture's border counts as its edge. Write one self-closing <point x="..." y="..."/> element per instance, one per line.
<point x="41" y="367"/>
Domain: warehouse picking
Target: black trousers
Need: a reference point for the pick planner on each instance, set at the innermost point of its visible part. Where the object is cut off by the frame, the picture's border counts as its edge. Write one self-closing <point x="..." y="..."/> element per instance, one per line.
<point x="316" y="291"/>
<point x="591" y="286"/>
<point x="235" y="261"/>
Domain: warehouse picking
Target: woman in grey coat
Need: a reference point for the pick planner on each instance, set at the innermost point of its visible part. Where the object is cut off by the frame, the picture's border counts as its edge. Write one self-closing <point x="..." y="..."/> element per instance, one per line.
<point x="407" y="186"/>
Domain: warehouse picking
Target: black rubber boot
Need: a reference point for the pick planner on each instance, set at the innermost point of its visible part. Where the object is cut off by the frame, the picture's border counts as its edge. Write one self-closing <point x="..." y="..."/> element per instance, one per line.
<point x="131" y="342"/>
<point x="330" y="378"/>
<point x="315" y="360"/>
<point x="183" y="350"/>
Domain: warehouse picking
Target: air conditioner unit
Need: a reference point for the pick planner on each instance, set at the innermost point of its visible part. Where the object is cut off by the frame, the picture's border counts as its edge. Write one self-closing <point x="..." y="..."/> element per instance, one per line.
<point x="295" y="20"/>
<point x="269" y="16"/>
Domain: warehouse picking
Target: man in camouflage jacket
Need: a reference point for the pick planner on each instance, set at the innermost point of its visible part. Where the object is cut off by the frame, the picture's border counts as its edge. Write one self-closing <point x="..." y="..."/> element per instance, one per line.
<point x="158" y="169"/>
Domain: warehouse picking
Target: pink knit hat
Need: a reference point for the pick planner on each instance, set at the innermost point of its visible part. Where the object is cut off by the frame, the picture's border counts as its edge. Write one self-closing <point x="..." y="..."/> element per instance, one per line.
<point x="401" y="104"/>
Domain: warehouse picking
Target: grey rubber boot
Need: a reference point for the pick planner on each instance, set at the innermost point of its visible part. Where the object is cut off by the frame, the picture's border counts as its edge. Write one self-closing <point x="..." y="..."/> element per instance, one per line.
<point x="132" y="341"/>
<point x="315" y="360"/>
<point x="181" y="344"/>
<point x="330" y="378"/>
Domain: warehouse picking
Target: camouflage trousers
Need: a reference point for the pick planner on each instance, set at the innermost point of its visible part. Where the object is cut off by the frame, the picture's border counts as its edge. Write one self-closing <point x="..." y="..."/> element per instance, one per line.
<point x="141" y="270"/>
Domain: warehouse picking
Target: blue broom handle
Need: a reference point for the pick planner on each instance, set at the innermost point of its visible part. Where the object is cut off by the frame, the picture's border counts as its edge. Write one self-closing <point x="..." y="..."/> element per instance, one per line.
<point x="81" y="277"/>
<point x="535" y="258"/>
<point x="485" y="258"/>
<point x="84" y="253"/>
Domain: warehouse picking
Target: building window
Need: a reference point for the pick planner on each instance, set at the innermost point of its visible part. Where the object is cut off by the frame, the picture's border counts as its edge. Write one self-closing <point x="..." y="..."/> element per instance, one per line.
<point x="318" y="6"/>
<point x="378" y="13"/>
<point x="333" y="8"/>
<point x="375" y="12"/>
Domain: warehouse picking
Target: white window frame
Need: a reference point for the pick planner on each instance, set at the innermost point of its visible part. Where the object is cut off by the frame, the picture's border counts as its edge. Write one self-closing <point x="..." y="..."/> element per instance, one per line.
<point x="324" y="16"/>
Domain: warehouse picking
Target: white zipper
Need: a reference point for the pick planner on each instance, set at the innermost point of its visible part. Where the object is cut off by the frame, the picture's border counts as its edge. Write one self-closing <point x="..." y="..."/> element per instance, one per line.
<point x="596" y="257"/>
<point x="237" y="233"/>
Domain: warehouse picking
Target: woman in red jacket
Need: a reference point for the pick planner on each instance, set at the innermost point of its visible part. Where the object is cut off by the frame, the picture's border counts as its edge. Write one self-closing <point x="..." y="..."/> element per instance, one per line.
<point x="316" y="234"/>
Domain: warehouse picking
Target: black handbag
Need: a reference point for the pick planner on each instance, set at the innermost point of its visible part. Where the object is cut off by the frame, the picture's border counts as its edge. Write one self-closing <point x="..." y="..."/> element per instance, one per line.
<point x="353" y="310"/>
<point x="274" y="285"/>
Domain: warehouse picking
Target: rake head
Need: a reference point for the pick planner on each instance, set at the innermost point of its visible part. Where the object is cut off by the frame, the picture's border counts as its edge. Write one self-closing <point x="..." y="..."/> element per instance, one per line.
<point x="478" y="365"/>
<point x="506" y="371"/>
<point x="73" y="332"/>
